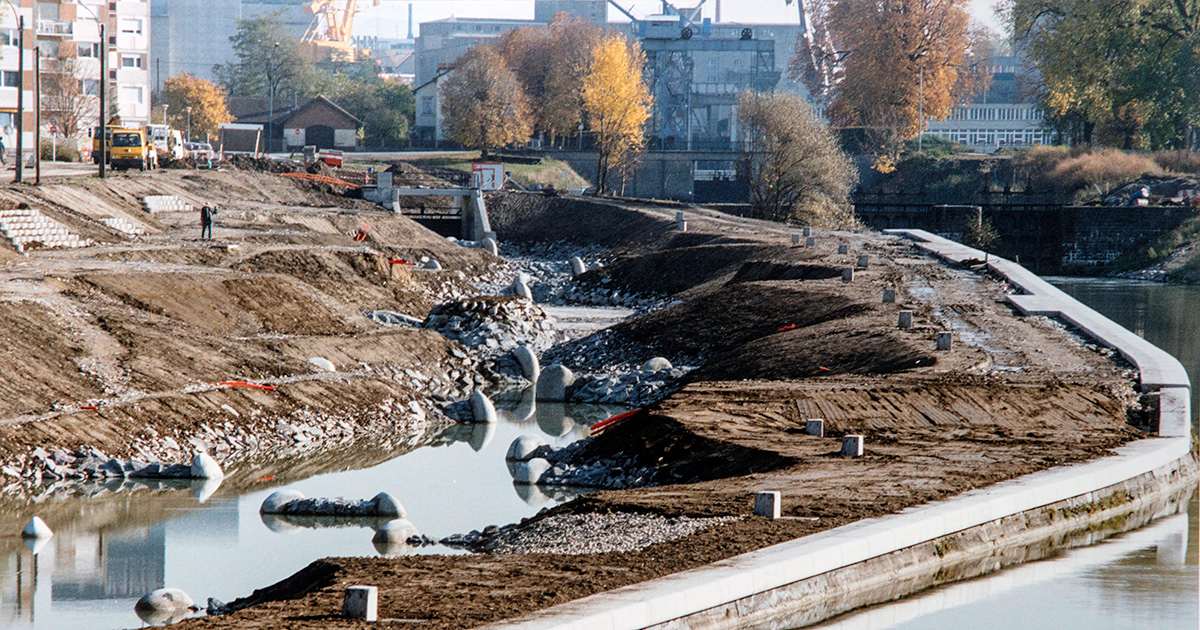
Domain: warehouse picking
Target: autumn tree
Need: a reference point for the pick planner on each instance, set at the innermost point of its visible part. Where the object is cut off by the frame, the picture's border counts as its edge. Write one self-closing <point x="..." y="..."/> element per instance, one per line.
<point x="70" y="96"/>
<point x="896" y="60"/>
<point x="482" y="103"/>
<point x="207" y="100"/>
<point x="1119" y="72"/>
<point x="617" y="104"/>
<point x="796" y="170"/>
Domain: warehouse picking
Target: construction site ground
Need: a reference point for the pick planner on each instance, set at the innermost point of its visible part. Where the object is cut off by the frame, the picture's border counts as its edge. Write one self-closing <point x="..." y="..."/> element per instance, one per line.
<point x="141" y="329"/>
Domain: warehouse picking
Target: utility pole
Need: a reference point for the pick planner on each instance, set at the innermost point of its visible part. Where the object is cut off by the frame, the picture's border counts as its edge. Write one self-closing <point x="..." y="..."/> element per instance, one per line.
<point x="921" y="110"/>
<point x="37" y="116"/>
<point x="103" y="100"/>
<point x="271" y="85"/>
<point x="20" y="100"/>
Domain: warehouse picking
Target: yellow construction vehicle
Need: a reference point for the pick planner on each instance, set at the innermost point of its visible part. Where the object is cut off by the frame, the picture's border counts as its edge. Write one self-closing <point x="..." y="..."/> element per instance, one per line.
<point x="132" y="148"/>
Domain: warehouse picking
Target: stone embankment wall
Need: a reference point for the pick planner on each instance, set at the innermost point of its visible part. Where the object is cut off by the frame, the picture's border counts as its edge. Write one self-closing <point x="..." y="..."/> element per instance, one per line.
<point x="806" y="580"/>
<point x="1046" y="239"/>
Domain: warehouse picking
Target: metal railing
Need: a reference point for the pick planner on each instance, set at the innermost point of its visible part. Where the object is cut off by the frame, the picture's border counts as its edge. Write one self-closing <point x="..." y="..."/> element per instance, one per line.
<point x="52" y="27"/>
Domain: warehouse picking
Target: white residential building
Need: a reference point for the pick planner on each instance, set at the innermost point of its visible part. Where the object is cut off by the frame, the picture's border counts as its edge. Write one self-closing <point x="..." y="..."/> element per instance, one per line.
<point x="1004" y="115"/>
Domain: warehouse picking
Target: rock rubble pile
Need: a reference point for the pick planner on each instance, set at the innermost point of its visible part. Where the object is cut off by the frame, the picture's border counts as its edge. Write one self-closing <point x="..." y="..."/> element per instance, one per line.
<point x="570" y="534"/>
<point x="493" y="325"/>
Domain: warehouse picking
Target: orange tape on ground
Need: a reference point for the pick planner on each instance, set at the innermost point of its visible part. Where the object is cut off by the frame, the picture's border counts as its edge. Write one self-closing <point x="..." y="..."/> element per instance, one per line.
<point x="245" y="384"/>
<point x="321" y="178"/>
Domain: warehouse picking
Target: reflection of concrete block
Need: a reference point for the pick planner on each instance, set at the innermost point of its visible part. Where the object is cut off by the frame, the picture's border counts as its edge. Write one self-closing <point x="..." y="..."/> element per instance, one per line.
<point x="815" y="426"/>
<point x="530" y="472"/>
<point x="361" y="602"/>
<point x="889" y="296"/>
<point x="944" y="340"/>
<point x="36" y="528"/>
<point x="852" y="445"/>
<point x="274" y="503"/>
<point x="523" y="447"/>
<point x="205" y="467"/>
<point x="906" y="319"/>
<point x="768" y="504"/>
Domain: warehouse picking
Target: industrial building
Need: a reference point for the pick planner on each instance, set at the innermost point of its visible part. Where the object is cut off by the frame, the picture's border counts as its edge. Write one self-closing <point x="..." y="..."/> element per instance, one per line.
<point x="1004" y="115"/>
<point x="67" y="35"/>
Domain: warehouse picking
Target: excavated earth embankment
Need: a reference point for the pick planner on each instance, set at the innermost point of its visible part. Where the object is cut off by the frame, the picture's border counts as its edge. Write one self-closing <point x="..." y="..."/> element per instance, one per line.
<point x="776" y="338"/>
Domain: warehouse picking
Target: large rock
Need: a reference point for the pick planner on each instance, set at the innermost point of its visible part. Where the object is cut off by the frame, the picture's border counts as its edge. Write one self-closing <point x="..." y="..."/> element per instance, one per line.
<point x="553" y="382"/>
<point x="482" y="409"/>
<point x="205" y="467"/>
<point x="657" y="364"/>
<point x="491" y="246"/>
<point x="529" y="362"/>
<point x="387" y="505"/>
<point x="522" y="448"/>
<point x="395" y="531"/>
<point x="530" y="472"/>
<point x="577" y="266"/>
<point x="36" y="528"/>
<point x="164" y="606"/>
<point x="274" y="503"/>
<point x="323" y="364"/>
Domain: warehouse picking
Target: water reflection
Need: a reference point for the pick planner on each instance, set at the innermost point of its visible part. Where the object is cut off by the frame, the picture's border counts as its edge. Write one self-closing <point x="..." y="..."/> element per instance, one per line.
<point x="118" y="541"/>
<point x="1146" y="578"/>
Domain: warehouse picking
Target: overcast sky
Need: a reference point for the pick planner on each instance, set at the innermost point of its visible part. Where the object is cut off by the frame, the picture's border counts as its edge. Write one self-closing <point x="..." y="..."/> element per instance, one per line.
<point x="390" y="18"/>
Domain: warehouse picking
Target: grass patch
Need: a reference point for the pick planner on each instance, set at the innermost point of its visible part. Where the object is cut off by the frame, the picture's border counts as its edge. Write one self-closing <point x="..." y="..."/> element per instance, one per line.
<point x="545" y="173"/>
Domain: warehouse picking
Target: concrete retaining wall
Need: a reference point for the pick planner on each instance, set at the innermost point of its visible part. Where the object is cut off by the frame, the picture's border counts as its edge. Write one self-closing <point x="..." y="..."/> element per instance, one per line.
<point x="813" y="578"/>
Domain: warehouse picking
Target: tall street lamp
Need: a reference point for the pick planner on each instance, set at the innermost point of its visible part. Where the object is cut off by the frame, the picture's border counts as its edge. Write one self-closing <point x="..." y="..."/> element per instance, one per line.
<point x="103" y="88"/>
<point x="271" y="86"/>
<point x="189" y="127"/>
<point x="166" y="106"/>
<point x="20" y="172"/>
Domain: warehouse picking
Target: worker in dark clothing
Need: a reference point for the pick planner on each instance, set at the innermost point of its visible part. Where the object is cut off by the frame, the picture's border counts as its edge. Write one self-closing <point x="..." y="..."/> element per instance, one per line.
<point x="207" y="214"/>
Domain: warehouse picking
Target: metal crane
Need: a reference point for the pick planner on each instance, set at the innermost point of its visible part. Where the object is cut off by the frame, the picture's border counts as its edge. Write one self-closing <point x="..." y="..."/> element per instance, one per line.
<point x="331" y="28"/>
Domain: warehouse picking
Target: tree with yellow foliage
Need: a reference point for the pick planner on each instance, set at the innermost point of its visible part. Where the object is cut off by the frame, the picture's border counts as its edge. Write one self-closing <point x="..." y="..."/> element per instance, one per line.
<point x="897" y="60"/>
<point x="617" y="103"/>
<point x="483" y="103"/>
<point x="207" y="100"/>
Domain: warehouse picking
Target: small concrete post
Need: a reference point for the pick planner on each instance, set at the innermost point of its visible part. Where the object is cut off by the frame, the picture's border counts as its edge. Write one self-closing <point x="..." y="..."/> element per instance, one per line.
<point x="906" y="319"/>
<point x="852" y="445"/>
<point x="679" y="217"/>
<point x="944" y="340"/>
<point x="683" y="226"/>
<point x="795" y="239"/>
<point x="361" y="602"/>
<point x="843" y="249"/>
<point x="810" y="241"/>
<point x="889" y="296"/>
<point x="864" y="260"/>
<point x="848" y="274"/>
<point x="808" y="231"/>
<point x="815" y="426"/>
<point x="768" y="504"/>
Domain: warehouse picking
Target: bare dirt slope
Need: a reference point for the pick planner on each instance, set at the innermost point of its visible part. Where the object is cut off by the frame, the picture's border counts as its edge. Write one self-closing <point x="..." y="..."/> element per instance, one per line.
<point x="119" y="345"/>
<point x="778" y="339"/>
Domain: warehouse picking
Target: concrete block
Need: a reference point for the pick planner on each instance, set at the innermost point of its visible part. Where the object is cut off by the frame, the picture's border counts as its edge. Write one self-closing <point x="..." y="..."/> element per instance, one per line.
<point x="852" y="445"/>
<point x="522" y="448"/>
<point x="683" y="226"/>
<point x="274" y="503"/>
<point x="205" y="467"/>
<point x="553" y="382"/>
<point x="322" y="363"/>
<point x="864" y="261"/>
<point x="36" y="528"/>
<point x="387" y="505"/>
<point x="491" y="246"/>
<point x="482" y="409"/>
<point x="529" y="362"/>
<point x="577" y="266"/>
<point x="520" y="288"/>
<point x="843" y="249"/>
<point x="848" y="274"/>
<point x="810" y="241"/>
<point x="655" y="365"/>
<point x="361" y="602"/>
<point x="530" y="472"/>
<point x="889" y="296"/>
<point x="815" y="426"/>
<point x="906" y="319"/>
<point x="944" y="340"/>
<point x="164" y="606"/>
<point x="679" y="217"/>
<point x="808" y="231"/>
<point x="795" y="239"/>
<point x="768" y="504"/>
<point x="394" y="532"/>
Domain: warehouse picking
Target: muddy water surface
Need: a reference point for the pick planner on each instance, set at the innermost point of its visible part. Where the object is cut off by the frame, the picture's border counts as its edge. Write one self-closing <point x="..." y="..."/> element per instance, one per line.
<point x="90" y="577"/>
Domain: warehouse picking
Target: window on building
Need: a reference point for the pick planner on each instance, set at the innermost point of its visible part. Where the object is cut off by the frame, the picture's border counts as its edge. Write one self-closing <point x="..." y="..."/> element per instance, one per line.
<point x="131" y="61"/>
<point x="131" y="27"/>
<point x="10" y="78"/>
<point x="8" y="36"/>
<point x="91" y="51"/>
<point x="427" y="105"/>
<point x="91" y="87"/>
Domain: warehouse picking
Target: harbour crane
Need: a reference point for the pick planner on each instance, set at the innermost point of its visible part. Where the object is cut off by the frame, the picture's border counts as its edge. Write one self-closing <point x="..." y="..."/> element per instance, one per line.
<point x="331" y="28"/>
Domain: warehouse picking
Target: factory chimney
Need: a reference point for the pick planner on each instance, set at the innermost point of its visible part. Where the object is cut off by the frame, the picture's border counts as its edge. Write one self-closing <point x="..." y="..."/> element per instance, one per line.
<point x="410" y="32"/>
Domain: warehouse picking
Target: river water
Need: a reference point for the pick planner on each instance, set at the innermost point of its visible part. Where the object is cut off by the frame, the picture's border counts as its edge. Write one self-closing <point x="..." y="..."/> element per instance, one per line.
<point x="90" y="576"/>
<point x="1148" y="578"/>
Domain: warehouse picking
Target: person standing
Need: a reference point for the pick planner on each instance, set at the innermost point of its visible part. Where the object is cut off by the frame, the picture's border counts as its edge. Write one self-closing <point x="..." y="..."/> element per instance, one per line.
<point x="207" y="214"/>
<point x="3" y="153"/>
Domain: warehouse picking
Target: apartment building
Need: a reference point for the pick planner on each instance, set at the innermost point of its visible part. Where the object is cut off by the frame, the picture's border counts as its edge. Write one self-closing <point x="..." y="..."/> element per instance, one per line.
<point x="11" y="72"/>
<point x="1004" y="115"/>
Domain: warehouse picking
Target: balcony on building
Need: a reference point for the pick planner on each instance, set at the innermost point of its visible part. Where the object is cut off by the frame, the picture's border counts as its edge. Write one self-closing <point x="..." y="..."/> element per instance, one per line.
<point x="54" y="28"/>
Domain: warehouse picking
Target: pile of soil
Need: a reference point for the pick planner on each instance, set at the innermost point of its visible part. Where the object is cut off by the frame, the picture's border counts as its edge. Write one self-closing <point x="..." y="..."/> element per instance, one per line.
<point x="533" y="218"/>
<point x="264" y="165"/>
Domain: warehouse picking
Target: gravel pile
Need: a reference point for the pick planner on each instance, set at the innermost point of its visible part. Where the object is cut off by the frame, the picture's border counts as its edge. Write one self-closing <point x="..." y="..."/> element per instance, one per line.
<point x="493" y="325"/>
<point x="571" y="534"/>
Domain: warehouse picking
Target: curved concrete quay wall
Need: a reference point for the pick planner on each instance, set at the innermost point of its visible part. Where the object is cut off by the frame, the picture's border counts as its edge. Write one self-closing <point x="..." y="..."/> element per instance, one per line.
<point x="782" y="585"/>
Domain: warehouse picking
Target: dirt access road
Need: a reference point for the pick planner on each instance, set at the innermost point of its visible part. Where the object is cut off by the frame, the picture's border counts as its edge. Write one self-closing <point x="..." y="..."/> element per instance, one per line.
<point x="778" y="338"/>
